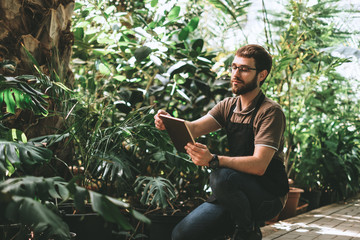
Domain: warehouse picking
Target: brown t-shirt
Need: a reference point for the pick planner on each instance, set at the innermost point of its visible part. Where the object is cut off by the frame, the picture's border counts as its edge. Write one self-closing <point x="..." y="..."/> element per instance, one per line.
<point x="269" y="122"/>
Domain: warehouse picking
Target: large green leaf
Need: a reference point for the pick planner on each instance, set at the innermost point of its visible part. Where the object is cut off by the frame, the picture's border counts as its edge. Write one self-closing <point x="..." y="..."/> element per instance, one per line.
<point x="184" y="33"/>
<point x="18" y="201"/>
<point x="35" y="187"/>
<point x="180" y="67"/>
<point x="16" y="93"/>
<point x="193" y="24"/>
<point x="42" y="220"/>
<point x="49" y="139"/>
<point x="174" y="13"/>
<point x="109" y="209"/>
<point x="27" y="154"/>
<point x="155" y="190"/>
<point x="114" y="167"/>
<point x="154" y="3"/>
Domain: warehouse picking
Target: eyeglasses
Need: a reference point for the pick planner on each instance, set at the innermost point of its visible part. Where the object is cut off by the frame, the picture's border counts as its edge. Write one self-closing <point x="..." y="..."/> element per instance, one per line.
<point x="242" y="68"/>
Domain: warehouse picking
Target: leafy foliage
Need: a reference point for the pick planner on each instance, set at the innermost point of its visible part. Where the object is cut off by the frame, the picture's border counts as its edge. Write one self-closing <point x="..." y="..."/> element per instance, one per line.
<point x="315" y="98"/>
<point x="18" y="202"/>
<point x="137" y="62"/>
<point x="155" y="190"/>
<point x="131" y="58"/>
<point x="17" y="154"/>
<point x="16" y="93"/>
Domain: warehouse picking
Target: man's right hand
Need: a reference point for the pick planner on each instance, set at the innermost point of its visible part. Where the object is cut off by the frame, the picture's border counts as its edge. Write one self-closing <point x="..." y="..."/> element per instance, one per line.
<point x="158" y="121"/>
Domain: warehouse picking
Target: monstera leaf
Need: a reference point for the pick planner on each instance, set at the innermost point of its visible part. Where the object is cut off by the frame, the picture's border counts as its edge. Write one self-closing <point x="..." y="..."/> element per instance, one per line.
<point x="17" y="201"/>
<point x="16" y="154"/>
<point x="22" y="200"/>
<point x="155" y="190"/>
<point x="16" y="93"/>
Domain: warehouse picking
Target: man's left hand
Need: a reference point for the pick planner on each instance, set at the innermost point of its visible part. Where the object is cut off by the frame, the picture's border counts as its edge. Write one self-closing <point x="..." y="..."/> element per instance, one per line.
<point x="199" y="153"/>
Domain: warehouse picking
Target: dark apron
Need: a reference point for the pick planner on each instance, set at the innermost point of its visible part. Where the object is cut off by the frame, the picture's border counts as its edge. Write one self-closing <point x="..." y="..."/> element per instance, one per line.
<point x="241" y="143"/>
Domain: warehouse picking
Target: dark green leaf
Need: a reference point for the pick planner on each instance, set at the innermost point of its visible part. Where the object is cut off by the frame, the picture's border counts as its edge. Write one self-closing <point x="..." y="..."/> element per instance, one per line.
<point x="31" y="212"/>
<point x="198" y="45"/>
<point x="140" y="216"/>
<point x="109" y="210"/>
<point x="23" y="153"/>
<point x="184" y="33"/>
<point x="142" y="53"/>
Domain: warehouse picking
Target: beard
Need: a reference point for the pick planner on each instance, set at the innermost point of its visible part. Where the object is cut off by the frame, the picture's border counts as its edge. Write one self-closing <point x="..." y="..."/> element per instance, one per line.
<point x="245" y="88"/>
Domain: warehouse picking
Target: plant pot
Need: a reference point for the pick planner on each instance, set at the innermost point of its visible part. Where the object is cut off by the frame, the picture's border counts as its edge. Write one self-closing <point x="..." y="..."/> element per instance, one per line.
<point x="162" y="225"/>
<point x="327" y="197"/>
<point x="291" y="203"/>
<point x="9" y="231"/>
<point x="313" y="198"/>
<point x="88" y="225"/>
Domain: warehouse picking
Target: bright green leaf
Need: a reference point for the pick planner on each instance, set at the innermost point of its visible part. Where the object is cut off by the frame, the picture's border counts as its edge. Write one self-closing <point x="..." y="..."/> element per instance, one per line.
<point x="193" y="24"/>
<point x="104" y="69"/>
<point x="120" y="78"/>
<point x="174" y="13"/>
<point x="154" y="3"/>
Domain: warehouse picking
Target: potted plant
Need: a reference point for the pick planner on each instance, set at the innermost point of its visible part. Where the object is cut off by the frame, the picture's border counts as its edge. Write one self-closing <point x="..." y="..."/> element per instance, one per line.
<point x="30" y="202"/>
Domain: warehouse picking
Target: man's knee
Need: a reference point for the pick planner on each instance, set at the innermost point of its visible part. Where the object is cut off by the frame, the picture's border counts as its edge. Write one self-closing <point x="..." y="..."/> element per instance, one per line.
<point x="179" y="233"/>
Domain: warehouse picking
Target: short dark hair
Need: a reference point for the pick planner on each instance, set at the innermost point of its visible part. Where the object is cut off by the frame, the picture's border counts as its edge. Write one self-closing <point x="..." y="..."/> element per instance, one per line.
<point x="263" y="60"/>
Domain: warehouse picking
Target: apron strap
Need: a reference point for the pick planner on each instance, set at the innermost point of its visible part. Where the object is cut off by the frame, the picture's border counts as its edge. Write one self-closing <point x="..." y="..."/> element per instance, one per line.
<point x="256" y="109"/>
<point x="262" y="97"/>
<point x="230" y="113"/>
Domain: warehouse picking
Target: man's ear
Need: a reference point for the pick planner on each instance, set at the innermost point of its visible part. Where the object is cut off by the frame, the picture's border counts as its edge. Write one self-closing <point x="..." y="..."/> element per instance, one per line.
<point x="262" y="75"/>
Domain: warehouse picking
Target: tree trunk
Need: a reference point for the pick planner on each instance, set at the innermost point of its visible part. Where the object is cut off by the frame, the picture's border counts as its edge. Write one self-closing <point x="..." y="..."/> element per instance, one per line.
<point x="43" y="28"/>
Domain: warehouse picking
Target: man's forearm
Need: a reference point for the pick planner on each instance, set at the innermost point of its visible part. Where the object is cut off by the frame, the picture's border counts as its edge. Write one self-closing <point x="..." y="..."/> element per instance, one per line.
<point x="202" y="126"/>
<point x="255" y="164"/>
<point x="246" y="164"/>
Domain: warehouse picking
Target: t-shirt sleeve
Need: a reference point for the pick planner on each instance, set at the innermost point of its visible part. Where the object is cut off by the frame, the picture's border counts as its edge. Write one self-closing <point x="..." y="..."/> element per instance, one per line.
<point x="270" y="127"/>
<point x="218" y="112"/>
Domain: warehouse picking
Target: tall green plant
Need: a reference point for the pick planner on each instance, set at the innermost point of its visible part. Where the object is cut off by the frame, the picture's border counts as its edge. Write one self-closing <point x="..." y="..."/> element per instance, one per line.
<point x="138" y="61"/>
<point x="305" y="83"/>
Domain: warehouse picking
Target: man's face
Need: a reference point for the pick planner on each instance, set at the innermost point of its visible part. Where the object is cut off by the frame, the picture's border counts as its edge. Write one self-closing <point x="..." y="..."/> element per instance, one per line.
<point x="245" y="79"/>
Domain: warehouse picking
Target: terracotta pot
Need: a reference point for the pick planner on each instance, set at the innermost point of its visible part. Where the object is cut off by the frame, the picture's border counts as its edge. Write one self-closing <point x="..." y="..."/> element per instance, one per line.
<point x="291" y="203"/>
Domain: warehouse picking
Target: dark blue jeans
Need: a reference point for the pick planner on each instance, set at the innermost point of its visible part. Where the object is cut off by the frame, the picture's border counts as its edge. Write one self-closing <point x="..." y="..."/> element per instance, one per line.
<point x="240" y="200"/>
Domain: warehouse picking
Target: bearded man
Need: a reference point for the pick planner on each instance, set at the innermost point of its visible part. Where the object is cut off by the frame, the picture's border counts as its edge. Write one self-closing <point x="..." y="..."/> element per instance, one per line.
<point x="249" y="185"/>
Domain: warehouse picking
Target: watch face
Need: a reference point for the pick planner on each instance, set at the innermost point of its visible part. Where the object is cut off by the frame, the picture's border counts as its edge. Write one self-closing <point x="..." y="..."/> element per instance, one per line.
<point x="214" y="163"/>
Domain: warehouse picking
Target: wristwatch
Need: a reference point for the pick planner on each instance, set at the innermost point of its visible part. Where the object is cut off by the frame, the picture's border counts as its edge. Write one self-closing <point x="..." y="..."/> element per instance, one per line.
<point x="214" y="162"/>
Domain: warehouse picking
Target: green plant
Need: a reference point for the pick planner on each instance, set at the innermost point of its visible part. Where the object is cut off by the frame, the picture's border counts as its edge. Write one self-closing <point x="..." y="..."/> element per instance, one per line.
<point x="15" y="93"/>
<point x="153" y="60"/>
<point x="25" y="199"/>
<point x="30" y="201"/>
<point x="313" y="95"/>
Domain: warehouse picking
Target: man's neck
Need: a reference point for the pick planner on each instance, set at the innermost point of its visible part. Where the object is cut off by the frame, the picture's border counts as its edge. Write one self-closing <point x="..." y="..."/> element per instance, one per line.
<point x="247" y="98"/>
